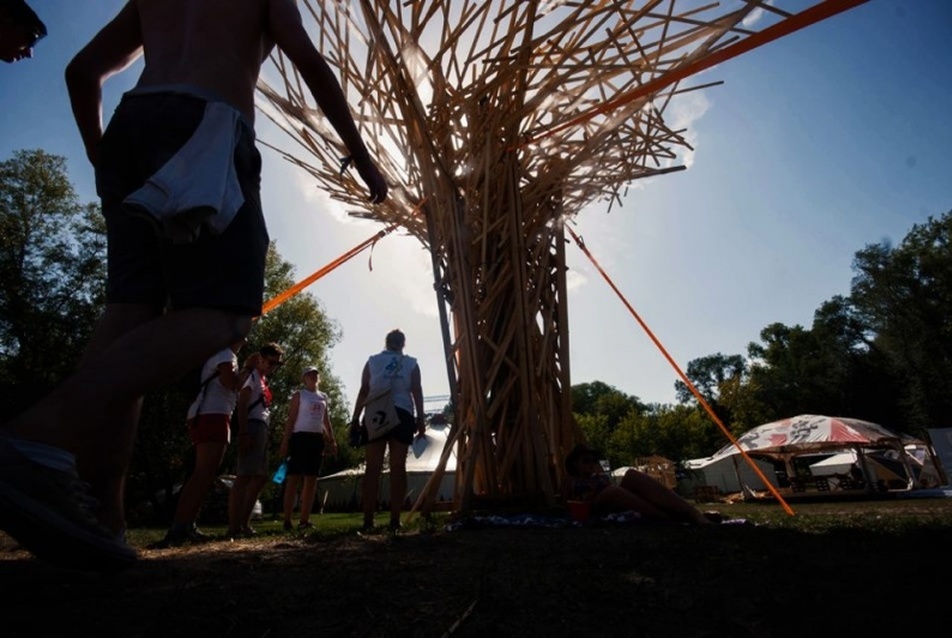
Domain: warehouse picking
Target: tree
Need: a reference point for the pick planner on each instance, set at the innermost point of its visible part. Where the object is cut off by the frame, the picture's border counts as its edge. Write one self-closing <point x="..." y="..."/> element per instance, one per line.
<point x="904" y="296"/>
<point x="708" y="374"/>
<point x="52" y="275"/>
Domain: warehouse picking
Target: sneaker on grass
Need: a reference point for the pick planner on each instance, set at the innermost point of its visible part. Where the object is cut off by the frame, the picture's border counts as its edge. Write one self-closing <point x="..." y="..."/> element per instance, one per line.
<point x="49" y="512"/>
<point x="178" y="537"/>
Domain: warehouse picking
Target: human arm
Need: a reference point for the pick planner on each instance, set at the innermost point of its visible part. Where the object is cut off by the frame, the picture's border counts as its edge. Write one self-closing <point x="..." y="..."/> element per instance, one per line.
<point x="362" y="393"/>
<point x="289" y="424"/>
<point x="241" y="411"/>
<point x="110" y="51"/>
<point x="233" y="379"/>
<point x="287" y="31"/>
<point x="416" y="390"/>
<point x="329" y="438"/>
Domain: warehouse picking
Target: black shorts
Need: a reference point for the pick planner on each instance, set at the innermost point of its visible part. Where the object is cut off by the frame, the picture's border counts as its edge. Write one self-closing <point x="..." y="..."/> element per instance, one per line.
<point x="404" y="432"/>
<point x="305" y="453"/>
<point x="224" y="271"/>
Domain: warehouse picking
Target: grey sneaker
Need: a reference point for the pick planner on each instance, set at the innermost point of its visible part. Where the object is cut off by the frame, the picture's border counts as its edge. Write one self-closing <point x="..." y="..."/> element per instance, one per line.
<point x="49" y="512"/>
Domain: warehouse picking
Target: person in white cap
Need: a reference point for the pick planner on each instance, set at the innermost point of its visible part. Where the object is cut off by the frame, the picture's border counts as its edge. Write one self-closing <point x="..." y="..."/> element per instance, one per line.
<point x="308" y="435"/>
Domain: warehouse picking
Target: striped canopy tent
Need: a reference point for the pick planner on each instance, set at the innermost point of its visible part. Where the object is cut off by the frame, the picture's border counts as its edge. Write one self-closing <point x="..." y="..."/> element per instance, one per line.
<point x="812" y="434"/>
<point x="815" y="433"/>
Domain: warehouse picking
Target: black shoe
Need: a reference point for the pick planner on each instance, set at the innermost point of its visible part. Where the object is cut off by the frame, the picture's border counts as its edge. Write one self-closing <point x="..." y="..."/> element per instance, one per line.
<point x="173" y="538"/>
<point x="288" y="526"/>
<point x="50" y="513"/>
<point x="179" y="537"/>
<point x="196" y="536"/>
<point x="308" y="525"/>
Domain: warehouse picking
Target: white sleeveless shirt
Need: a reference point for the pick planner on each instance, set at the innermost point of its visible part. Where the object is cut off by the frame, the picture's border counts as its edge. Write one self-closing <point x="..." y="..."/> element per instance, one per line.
<point x="390" y="369"/>
<point x="311" y="409"/>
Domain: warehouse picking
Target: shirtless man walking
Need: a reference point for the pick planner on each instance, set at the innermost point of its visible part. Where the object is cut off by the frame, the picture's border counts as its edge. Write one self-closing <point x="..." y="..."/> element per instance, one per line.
<point x="178" y="174"/>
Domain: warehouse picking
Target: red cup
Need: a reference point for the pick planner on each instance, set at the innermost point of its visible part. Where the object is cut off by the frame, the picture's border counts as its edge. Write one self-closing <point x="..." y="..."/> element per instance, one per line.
<point x="580" y="511"/>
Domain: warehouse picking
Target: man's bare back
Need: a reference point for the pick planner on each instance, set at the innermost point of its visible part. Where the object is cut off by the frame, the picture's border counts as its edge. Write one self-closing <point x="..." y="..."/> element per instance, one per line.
<point x="217" y="46"/>
<point x="213" y="44"/>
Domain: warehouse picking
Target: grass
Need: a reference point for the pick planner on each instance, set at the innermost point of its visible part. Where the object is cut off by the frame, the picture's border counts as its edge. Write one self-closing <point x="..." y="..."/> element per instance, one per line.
<point x="329" y="525"/>
<point x="835" y="568"/>
<point x="891" y="516"/>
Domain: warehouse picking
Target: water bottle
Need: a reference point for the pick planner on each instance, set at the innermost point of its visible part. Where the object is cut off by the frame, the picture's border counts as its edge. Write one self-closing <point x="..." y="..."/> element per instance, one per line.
<point x="280" y="473"/>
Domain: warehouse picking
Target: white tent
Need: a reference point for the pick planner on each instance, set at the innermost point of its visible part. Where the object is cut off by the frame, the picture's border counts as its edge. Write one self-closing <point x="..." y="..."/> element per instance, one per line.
<point x="884" y="465"/>
<point x="726" y="473"/>
<point x="342" y="491"/>
<point x="942" y="444"/>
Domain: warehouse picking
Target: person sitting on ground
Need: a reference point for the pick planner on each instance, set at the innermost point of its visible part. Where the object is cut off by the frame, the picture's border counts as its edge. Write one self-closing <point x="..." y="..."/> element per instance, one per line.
<point x="637" y="491"/>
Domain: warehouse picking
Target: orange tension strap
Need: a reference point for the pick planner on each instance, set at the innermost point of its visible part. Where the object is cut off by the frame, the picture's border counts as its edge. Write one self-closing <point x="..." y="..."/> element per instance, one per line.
<point x="684" y="378"/>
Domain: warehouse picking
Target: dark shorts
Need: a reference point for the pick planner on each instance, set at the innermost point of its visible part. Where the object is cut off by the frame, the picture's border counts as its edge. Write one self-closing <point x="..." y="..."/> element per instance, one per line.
<point x="224" y="271"/>
<point x="209" y="428"/>
<point x="305" y="453"/>
<point x="404" y="432"/>
<point x="253" y="461"/>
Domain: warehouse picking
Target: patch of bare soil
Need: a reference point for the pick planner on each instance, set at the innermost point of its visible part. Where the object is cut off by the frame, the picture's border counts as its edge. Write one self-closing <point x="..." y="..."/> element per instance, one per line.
<point x="637" y="580"/>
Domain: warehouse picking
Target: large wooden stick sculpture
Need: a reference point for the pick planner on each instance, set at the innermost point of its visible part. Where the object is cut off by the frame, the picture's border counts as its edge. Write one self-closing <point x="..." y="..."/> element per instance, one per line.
<point x="495" y="122"/>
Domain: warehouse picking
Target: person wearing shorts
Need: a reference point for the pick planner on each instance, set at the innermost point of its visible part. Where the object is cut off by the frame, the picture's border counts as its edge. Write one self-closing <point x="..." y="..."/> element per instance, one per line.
<point x="391" y="369"/>
<point x="307" y="433"/>
<point x="208" y="420"/>
<point x="254" y="417"/>
<point x="178" y="154"/>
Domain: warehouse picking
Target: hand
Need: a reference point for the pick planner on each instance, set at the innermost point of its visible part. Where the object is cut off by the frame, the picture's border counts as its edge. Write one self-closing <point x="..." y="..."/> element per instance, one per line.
<point x="372" y="178"/>
<point x="252" y="361"/>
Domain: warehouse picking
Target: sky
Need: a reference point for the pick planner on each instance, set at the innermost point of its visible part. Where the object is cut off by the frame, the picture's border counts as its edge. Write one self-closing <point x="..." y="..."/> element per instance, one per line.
<point x="815" y="146"/>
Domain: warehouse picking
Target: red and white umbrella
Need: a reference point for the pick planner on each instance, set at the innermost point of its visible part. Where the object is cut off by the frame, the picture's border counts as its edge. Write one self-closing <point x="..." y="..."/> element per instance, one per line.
<point x="814" y="433"/>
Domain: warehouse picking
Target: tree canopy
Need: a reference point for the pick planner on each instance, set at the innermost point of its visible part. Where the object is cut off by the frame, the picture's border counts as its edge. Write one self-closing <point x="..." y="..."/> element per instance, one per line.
<point x="52" y="274"/>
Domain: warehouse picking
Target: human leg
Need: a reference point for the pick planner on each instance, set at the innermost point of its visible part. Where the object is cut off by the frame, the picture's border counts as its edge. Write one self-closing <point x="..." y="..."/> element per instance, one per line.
<point x="208" y="458"/>
<point x="236" y="500"/>
<point x="373" y="456"/>
<point x="398" y="480"/>
<point x="666" y="501"/>
<point x="253" y="463"/>
<point x="108" y="386"/>
<point x="255" y="485"/>
<point x="290" y="494"/>
<point x="308" y="488"/>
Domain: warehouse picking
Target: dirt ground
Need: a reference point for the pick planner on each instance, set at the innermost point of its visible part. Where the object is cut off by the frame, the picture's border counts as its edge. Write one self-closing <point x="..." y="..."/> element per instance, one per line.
<point x="638" y="580"/>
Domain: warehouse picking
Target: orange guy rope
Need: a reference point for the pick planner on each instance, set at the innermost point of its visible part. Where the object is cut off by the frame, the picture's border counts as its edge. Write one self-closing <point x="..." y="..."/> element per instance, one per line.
<point x="276" y="301"/>
<point x="681" y="374"/>
<point x="805" y="18"/>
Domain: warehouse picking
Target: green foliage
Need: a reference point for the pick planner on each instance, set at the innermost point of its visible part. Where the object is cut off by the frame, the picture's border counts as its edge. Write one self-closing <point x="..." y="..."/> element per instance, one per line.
<point x="708" y="374"/>
<point x="52" y="275"/>
<point x="904" y="297"/>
